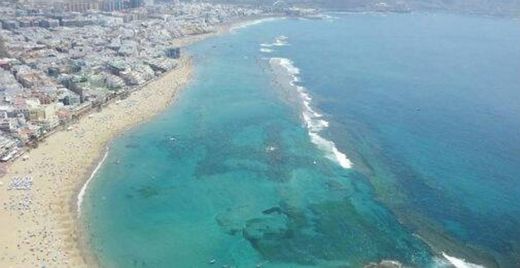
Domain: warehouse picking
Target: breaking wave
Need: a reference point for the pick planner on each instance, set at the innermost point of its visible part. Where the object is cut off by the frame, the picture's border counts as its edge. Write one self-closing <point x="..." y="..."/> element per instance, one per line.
<point x="81" y="193"/>
<point x="251" y="23"/>
<point x="266" y="50"/>
<point x="279" y="41"/>
<point x="460" y="263"/>
<point x="313" y="120"/>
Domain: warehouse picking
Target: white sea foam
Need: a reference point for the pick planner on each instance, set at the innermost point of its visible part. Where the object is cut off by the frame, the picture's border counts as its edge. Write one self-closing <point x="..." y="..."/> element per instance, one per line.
<point x="266" y="50"/>
<point x="279" y="41"/>
<point x="460" y="263"/>
<point x="312" y="119"/>
<point x="251" y="23"/>
<point x="81" y="193"/>
<point x="289" y="66"/>
<point x="330" y="18"/>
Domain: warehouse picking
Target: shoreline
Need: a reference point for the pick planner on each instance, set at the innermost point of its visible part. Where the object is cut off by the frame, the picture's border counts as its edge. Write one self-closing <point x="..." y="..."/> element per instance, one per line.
<point x="48" y="230"/>
<point x="41" y="226"/>
<point x="82" y="191"/>
<point x="81" y="226"/>
<point x="90" y="259"/>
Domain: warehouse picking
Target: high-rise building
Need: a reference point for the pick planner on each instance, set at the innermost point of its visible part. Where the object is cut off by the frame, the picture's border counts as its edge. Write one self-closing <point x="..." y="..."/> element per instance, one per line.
<point x="135" y="3"/>
<point x="80" y="5"/>
<point x="112" y="5"/>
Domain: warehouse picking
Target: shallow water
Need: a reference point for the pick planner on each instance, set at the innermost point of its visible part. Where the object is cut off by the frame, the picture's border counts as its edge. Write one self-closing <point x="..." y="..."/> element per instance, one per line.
<point x="425" y="106"/>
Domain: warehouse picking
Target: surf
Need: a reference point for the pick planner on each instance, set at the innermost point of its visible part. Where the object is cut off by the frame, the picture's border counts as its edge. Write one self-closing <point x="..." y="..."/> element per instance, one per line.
<point x="313" y="120"/>
<point x="252" y="23"/>
<point x="460" y="263"/>
<point x="84" y="188"/>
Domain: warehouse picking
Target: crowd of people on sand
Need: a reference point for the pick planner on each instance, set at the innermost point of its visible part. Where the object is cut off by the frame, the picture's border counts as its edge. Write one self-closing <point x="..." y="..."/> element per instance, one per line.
<point x="20" y="183"/>
<point x="21" y="204"/>
<point x="39" y="243"/>
<point x="38" y="195"/>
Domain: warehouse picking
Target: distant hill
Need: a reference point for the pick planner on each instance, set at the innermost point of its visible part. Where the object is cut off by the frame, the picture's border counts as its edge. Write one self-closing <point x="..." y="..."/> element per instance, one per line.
<point x="490" y="7"/>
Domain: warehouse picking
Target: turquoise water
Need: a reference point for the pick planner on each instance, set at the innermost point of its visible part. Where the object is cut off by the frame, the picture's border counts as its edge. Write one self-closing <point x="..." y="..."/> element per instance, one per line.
<point x="241" y="171"/>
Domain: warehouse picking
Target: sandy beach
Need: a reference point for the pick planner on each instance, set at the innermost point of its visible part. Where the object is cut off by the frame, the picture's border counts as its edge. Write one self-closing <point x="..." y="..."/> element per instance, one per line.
<point x="40" y="227"/>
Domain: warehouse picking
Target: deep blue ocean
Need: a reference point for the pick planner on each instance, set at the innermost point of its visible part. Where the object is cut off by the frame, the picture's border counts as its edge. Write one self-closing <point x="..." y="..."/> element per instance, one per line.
<point x="326" y="143"/>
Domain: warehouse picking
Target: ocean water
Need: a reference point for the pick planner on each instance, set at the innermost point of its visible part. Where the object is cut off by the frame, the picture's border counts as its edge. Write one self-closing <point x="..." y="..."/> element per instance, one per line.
<point x="325" y="143"/>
